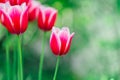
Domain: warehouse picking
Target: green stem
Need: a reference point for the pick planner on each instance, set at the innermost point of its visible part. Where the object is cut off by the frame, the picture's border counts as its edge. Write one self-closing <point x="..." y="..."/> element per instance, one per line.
<point x="56" y="68"/>
<point x="7" y="63"/>
<point x="41" y="58"/>
<point x="20" y="68"/>
<point x="14" y="63"/>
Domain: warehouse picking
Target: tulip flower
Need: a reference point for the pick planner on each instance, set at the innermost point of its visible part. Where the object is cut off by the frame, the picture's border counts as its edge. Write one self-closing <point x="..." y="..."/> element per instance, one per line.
<point x="60" y="40"/>
<point x="46" y="18"/>
<point x="33" y="10"/>
<point x="15" y="18"/>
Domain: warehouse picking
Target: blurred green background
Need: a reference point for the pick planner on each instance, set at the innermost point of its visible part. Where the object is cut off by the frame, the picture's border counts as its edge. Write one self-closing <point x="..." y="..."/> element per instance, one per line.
<point x="95" y="49"/>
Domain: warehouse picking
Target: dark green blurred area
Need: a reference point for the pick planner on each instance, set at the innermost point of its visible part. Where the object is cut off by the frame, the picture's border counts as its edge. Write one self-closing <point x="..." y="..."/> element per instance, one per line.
<point x="95" y="49"/>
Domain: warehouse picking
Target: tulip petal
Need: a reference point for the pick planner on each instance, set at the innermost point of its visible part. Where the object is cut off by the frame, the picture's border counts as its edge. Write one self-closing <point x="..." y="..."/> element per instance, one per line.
<point x="41" y="19"/>
<point x="32" y="15"/>
<point x="2" y="9"/>
<point x="24" y="21"/>
<point x="48" y="11"/>
<point x="33" y="10"/>
<point x="2" y="1"/>
<point x="68" y="43"/>
<point x="64" y="36"/>
<point x="7" y="22"/>
<point x="22" y="1"/>
<point x="0" y="15"/>
<point x="56" y="30"/>
<point x="55" y="43"/>
<point x="13" y="2"/>
<point x="52" y="19"/>
<point x="15" y="16"/>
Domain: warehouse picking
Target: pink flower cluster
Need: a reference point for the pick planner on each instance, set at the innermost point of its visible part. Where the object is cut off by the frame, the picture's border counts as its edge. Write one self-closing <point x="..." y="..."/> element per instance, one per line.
<point x="16" y="14"/>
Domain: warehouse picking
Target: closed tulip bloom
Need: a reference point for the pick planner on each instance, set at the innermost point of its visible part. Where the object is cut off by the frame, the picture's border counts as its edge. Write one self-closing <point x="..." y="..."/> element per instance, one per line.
<point x="33" y="10"/>
<point x="15" y="18"/>
<point x="60" y="40"/>
<point x="46" y="18"/>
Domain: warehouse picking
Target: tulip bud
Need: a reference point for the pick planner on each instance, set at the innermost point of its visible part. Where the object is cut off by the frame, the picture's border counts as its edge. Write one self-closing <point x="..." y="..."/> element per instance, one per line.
<point x="60" y="41"/>
<point x="33" y="10"/>
<point x="46" y="18"/>
<point x="15" y="18"/>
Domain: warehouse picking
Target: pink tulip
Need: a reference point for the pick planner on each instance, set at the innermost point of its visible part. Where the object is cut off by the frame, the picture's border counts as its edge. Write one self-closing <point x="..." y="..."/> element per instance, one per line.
<point x="33" y="10"/>
<point x="46" y="18"/>
<point x="60" y="40"/>
<point x="14" y="18"/>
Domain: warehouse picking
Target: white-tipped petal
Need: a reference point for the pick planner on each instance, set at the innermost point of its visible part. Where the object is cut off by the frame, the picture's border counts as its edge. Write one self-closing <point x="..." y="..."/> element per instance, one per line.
<point x="55" y="43"/>
<point x="69" y="43"/>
